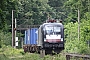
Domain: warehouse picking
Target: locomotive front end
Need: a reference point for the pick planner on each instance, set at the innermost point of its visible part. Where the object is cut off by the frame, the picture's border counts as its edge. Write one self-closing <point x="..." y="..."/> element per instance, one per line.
<point x="53" y="36"/>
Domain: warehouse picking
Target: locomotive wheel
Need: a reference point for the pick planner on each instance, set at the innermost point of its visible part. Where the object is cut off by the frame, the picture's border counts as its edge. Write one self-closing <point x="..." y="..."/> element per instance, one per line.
<point x="42" y="53"/>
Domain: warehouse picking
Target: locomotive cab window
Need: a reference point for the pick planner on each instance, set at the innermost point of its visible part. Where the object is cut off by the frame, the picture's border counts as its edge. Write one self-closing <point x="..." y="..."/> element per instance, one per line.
<point x="57" y="29"/>
<point x="50" y="29"/>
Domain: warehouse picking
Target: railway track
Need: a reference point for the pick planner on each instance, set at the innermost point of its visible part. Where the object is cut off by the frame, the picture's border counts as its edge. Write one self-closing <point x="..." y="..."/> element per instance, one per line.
<point x="77" y="56"/>
<point x="69" y="56"/>
<point x="60" y="56"/>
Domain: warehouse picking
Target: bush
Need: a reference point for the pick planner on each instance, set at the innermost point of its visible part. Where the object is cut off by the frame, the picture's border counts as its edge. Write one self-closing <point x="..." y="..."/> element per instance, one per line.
<point x="8" y="50"/>
<point x="9" y="53"/>
<point x="73" y="45"/>
<point x="5" y="38"/>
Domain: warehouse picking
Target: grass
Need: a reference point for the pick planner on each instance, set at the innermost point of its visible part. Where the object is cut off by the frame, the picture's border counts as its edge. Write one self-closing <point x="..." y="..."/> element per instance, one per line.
<point x="33" y="56"/>
<point x="9" y="53"/>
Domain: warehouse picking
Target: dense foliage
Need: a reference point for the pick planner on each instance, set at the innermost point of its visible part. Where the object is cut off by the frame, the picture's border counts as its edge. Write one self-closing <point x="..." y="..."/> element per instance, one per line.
<point x="74" y="45"/>
<point x="35" y="12"/>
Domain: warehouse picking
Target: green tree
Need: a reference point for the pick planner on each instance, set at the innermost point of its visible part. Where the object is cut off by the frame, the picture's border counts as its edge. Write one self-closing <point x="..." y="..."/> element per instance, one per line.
<point x="5" y="39"/>
<point x="74" y="45"/>
<point x="33" y="11"/>
<point x="85" y="30"/>
<point x="72" y="7"/>
<point x="2" y="16"/>
<point x="5" y="12"/>
<point x="59" y="12"/>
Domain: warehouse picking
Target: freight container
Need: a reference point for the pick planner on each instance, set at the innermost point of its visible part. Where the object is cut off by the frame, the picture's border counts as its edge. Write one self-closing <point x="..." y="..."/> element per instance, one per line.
<point x="31" y="36"/>
<point x="30" y="41"/>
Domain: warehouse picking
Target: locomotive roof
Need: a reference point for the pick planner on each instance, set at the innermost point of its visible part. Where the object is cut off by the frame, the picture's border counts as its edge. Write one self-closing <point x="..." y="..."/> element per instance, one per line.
<point x="53" y="23"/>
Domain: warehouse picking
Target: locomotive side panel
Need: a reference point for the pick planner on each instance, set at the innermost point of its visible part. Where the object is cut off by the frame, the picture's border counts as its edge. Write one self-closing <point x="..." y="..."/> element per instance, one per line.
<point x="39" y="42"/>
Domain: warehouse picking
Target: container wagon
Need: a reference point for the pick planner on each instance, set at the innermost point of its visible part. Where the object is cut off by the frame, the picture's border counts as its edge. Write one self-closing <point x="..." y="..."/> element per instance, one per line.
<point x="30" y="41"/>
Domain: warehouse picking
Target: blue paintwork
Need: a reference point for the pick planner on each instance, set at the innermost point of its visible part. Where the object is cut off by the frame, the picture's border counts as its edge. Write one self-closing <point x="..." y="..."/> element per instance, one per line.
<point x="31" y="36"/>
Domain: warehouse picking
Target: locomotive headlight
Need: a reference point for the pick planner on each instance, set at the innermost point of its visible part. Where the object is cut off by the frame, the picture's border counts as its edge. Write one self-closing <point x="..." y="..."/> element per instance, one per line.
<point x="44" y="39"/>
<point x="61" y="39"/>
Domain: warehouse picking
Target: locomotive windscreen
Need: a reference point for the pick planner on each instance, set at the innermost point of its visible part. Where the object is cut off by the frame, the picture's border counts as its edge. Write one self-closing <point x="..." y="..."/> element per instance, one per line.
<point x="52" y="33"/>
<point x="52" y="29"/>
